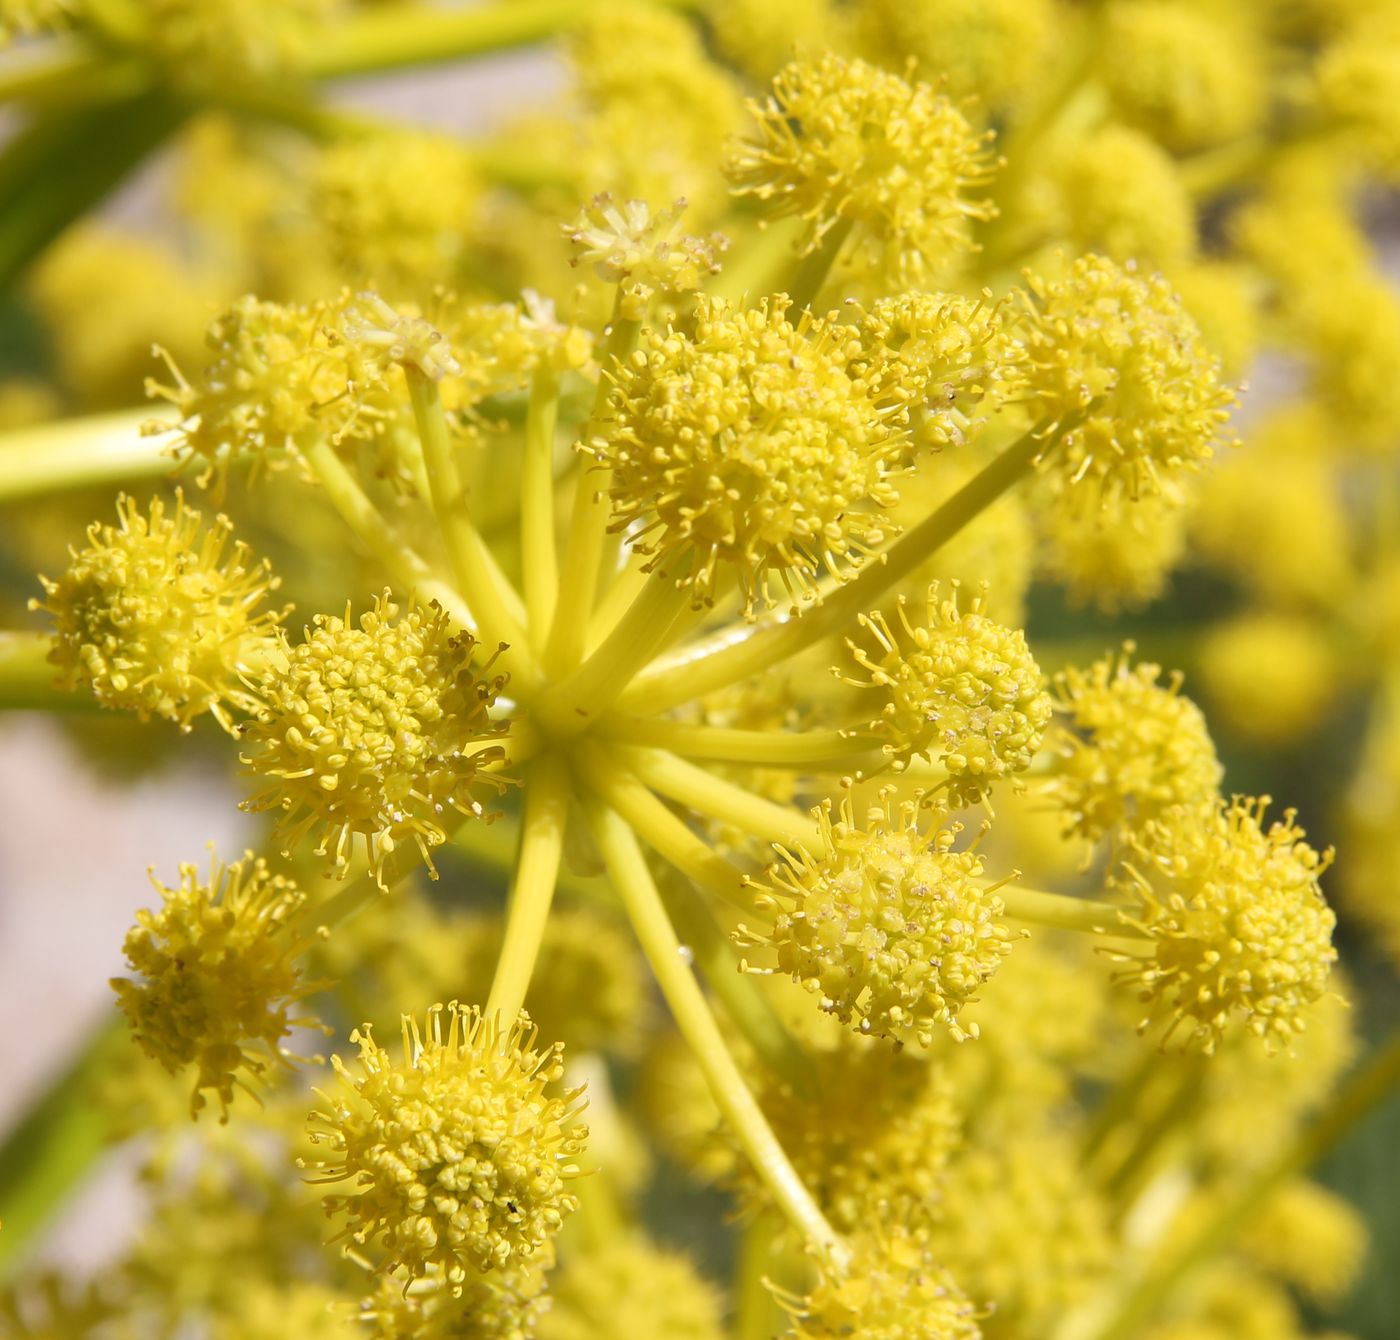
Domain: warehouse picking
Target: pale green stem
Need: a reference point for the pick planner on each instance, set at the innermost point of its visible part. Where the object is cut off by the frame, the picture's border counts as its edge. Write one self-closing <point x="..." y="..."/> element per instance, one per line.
<point x="1063" y="911"/>
<point x="588" y="527"/>
<point x="632" y="879"/>
<point x="759" y="1317"/>
<point x="499" y="611"/>
<point x="713" y="796"/>
<point x="404" y="566"/>
<point x="1357" y="1098"/>
<point x="673" y="841"/>
<point x="539" y="563"/>
<point x="403" y="35"/>
<point x="1153" y="1134"/>
<point x="532" y="890"/>
<point x="816" y="751"/>
<point x="27" y="678"/>
<point x="583" y="696"/>
<point x="74" y="453"/>
<point x="494" y="847"/>
<point x="617" y="599"/>
<point x="813" y="269"/>
<point x="663" y="830"/>
<point x="696" y="671"/>
<point x="750" y="273"/>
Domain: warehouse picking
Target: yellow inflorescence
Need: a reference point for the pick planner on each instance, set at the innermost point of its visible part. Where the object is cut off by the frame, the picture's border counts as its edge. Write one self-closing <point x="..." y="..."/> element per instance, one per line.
<point x="217" y="976"/>
<point x="380" y="731"/>
<point x="962" y="690"/>
<point x="895" y="1290"/>
<point x="384" y="223"/>
<point x="277" y="381"/>
<point x="1242" y="932"/>
<point x="628" y="1286"/>
<point x="1130" y="749"/>
<point x="871" y="1138"/>
<point x="840" y="140"/>
<point x="160" y="619"/>
<point x="205" y="41"/>
<point x="1185" y="73"/>
<point x="505" y="1304"/>
<point x="459" y="1157"/>
<point x="886" y="924"/>
<point x="954" y="361"/>
<point x="989" y="52"/>
<point x="641" y="251"/>
<point x="754" y="444"/>
<point x="1114" y="552"/>
<point x="1120" y="193"/>
<point x="1119" y="345"/>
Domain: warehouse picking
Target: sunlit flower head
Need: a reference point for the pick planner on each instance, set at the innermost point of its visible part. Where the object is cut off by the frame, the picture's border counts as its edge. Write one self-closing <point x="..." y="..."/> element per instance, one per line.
<point x="891" y="928"/>
<point x="161" y="617"/>
<point x="458" y="1157"/>
<point x="380" y="731"/>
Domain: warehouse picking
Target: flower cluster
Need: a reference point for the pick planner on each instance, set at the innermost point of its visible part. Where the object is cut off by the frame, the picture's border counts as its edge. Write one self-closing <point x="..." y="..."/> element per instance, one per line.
<point x="688" y="687"/>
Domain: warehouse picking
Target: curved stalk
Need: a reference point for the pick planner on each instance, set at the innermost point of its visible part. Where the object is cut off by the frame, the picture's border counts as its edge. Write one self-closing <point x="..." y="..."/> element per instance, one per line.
<point x="815" y="751"/>
<point x="532" y="889"/>
<point x="369" y="526"/>
<point x="713" y="796"/>
<point x="663" y="949"/>
<point x="498" y="610"/>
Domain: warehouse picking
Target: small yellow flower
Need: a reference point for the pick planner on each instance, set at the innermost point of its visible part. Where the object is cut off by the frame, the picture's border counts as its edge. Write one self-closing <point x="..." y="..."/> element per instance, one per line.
<point x="754" y="444"/>
<point x="1110" y="341"/>
<point x="628" y="1286"/>
<point x="894" y="1290"/>
<point x="1131" y="748"/>
<point x="1189" y="75"/>
<point x="217" y="975"/>
<point x="1242" y="932"/>
<point x="954" y="361"/>
<point x="458" y="1158"/>
<point x="840" y="140"/>
<point x="641" y="252"/>
<point x="376" y="731"/>
<point x="160" y="618"/>
<point x="885" y="923"/>
<point x="962" y="690"/>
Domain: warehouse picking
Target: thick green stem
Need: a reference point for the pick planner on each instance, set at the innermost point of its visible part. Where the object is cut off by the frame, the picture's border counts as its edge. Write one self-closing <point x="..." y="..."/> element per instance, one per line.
<point x="695" y="672"/>
<point x="539" y="563"/>
<point x="532" y="890"/>
<point x="1357" y="1098"/>
<point x="499" y="612"/>
<point x="713" y="796"/>
<point x="76" y="453"/>
<point x="635" y="887"/>
<point x="588" y="527"/>
<point x="403" y="565"/>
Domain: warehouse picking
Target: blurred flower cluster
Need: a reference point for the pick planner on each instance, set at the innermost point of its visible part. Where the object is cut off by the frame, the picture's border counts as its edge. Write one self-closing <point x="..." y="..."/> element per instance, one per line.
<point x="723" y="593"/>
